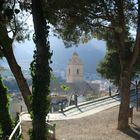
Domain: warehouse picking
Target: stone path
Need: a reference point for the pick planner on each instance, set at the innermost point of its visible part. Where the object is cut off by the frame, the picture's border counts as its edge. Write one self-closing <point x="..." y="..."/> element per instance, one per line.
<point x="99" y="126"/>
<point x="93" y="120"/>
<point x="82" y="110"/>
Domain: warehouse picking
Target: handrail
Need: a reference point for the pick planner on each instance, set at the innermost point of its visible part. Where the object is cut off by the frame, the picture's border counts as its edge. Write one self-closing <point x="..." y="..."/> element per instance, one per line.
<point x="89" y="102"/>
<point x="52" y="129"/>
<point x="15" y="129"/>
<point x="17" y="126"/>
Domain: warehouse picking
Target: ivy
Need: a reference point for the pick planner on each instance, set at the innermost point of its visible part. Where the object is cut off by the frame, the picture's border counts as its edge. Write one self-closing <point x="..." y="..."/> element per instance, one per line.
<point x="41" y="74"/>
<point x="5" y="119"/>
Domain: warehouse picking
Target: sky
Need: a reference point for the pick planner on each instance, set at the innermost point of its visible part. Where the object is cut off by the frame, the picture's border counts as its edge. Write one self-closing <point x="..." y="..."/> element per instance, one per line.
<point x="93" y="50"/>
<point x="24" y="51"/>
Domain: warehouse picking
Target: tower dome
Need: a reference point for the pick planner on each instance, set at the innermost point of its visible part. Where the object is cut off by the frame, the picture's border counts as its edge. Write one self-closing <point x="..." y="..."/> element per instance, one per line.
<point x="74" y="70"/>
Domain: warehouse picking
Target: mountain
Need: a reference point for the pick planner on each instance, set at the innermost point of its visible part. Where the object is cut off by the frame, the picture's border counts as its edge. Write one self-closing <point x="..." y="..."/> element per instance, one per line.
<point x="90" y="53"/>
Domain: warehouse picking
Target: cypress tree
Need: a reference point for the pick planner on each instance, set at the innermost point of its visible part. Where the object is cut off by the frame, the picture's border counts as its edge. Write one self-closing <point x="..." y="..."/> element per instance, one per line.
<point x="5" y="119"/>
<point x="40" y="71"/>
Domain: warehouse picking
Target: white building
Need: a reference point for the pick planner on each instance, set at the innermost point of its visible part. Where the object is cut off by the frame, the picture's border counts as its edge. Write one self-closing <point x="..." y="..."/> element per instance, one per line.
<point x="17" y="105"/>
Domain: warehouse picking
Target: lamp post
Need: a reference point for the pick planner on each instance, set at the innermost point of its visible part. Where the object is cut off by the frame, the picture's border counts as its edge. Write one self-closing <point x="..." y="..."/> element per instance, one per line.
<point x="138" y="91"/>
<point x="136" y="95"/>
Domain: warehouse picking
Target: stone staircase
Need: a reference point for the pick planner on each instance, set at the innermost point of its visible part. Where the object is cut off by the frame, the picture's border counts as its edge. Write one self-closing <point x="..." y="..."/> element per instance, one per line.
<point x="82" y="108"/>
<point x="86" y="108"/>
<point x="90" y="107"/>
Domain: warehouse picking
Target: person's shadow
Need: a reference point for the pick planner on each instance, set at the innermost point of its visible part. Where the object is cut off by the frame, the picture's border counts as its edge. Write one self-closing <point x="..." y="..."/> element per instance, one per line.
<point x="79" y="109"/>
<point x="133" y="131"/>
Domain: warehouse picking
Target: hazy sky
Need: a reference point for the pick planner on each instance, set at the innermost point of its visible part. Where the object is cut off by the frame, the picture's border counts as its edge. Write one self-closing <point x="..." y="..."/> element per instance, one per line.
<point x="61" y="55"/>
<point x="24" y="51"/>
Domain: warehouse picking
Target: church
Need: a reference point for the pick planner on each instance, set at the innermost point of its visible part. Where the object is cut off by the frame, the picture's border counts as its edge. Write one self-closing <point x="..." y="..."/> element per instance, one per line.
<point x="75" y="89"/>
<point x="63" y="94"/>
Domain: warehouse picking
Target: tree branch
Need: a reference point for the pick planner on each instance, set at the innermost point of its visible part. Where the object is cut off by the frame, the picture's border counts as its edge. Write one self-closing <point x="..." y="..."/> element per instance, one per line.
<point x="136" y="50"/>
<point x="107" y="11"/>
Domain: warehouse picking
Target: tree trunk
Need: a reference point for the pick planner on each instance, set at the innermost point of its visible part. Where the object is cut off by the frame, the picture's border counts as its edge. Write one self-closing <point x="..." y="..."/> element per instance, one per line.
<point x="7" y="50"/>
<point x="40" y="73"/>
<point x="125" y="82"/>
<point x="16" y="70"/>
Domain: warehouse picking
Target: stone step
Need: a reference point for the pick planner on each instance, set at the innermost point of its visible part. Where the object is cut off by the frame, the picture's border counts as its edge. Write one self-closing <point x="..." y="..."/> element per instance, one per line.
<point x="87" y="107"/>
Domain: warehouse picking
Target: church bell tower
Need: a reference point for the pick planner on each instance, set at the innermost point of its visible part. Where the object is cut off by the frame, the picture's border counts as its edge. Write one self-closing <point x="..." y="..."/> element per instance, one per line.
<point x="74" y="70"/>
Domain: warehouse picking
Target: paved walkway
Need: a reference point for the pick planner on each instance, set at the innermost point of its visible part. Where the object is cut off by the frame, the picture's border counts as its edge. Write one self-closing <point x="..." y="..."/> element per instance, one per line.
<point x="82" y="110"/>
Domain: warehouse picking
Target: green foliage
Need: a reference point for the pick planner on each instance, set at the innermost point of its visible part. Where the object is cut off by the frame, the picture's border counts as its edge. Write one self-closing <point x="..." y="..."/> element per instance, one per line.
<point x="30" y="131"/>
<point x="76" y="21"/>
<point x="65" y="87"/>
<point x="40" y="88"/>
<point x="109" y="68"/>
<point x="1" y="54"/>
<point x="5" y="119"/>
<point x="13" y="17"/>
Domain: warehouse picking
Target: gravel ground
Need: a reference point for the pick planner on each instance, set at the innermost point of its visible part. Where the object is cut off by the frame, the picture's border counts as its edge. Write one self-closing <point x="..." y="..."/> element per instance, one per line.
<point x="100" y="126"/>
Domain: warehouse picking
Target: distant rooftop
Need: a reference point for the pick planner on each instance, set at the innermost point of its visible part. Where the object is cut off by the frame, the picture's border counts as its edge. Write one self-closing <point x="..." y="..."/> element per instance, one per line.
<point x="78" y="88"/>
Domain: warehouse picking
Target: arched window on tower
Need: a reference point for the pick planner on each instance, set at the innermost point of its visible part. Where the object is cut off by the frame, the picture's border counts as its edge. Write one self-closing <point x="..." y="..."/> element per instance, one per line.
<point x="77" y="72"/>
<point x="69" y="71"/>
